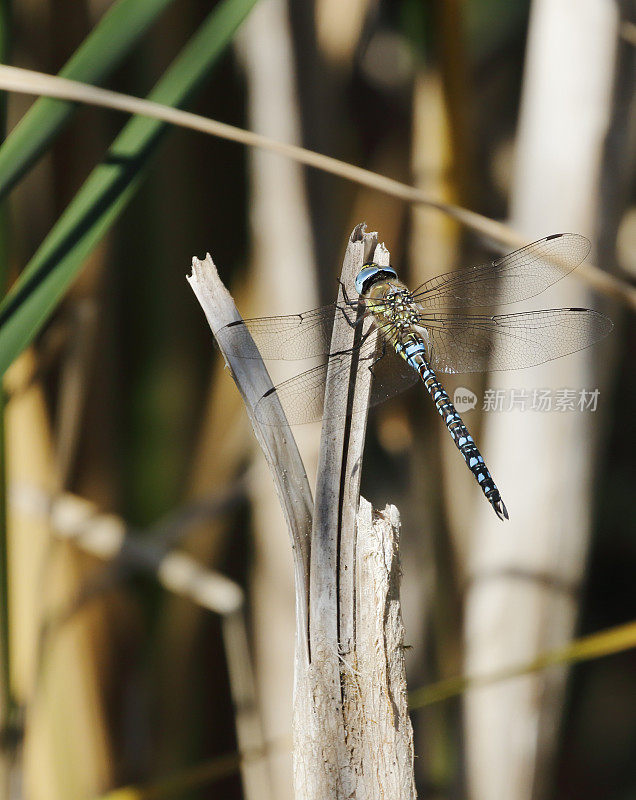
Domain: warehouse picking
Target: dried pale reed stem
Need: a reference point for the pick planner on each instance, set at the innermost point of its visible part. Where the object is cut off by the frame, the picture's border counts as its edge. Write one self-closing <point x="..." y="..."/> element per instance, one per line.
<point x="352" y="733"/>
<point x="30" y="82"/>
<point x="105" y="536"/>
<point x="275" y="437"/>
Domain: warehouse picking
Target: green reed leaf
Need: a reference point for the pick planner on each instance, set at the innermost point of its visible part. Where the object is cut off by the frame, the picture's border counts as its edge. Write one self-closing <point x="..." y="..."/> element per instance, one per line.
<point x="109" y="188"/>
<point x="103" y="49"/>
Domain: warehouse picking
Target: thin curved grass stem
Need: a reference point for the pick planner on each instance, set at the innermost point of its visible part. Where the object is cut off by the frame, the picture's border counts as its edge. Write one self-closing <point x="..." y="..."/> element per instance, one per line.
<point x="37" y="83"/>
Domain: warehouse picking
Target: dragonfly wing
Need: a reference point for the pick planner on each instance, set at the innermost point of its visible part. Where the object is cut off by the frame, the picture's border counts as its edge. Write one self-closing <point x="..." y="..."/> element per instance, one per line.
<point x="517" y="276"/>
<point x="289" y="338"/>
<point x="302" y="396"/>
<point x="391" y="376"/>
<point x="510" y="341"/>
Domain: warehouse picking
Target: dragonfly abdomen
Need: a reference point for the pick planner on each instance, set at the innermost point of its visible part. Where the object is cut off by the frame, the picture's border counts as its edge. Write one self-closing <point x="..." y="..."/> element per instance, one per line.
<point x="413" y="349"/>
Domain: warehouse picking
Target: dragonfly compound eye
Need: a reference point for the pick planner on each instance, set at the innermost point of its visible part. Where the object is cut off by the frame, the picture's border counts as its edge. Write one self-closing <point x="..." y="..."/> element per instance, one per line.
<point x="370" y="274"/>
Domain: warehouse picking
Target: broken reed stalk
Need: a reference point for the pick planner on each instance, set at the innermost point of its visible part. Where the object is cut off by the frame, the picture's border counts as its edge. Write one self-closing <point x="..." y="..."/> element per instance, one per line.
<point x="352" y="733"/>
<point x="276" y="439"/>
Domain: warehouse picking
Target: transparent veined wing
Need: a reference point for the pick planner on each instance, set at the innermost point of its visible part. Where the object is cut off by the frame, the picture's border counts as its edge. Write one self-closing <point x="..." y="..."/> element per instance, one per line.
<point x="516" y="276"/>
<point x="456" y="343"/>
<point x="302" y="396"/>
<point x="290" y="337"/>
<point x="459" y="343"/>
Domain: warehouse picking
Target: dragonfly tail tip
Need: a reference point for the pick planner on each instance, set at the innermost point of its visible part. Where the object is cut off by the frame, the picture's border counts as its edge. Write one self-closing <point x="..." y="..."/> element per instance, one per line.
<point x="500" y="509"/>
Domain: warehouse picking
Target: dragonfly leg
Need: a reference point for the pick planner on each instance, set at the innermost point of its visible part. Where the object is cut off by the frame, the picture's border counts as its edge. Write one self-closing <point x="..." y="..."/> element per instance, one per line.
<point x="379" y="358"/>
<point x="352" y="304"/>
<point x="358" y="346"/>
<point x="345" y="294"/>
<point x="350" y="323"/>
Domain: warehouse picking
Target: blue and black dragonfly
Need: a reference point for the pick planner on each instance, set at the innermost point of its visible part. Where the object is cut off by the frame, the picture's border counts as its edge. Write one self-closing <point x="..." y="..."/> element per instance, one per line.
<point x="429" y="331"/>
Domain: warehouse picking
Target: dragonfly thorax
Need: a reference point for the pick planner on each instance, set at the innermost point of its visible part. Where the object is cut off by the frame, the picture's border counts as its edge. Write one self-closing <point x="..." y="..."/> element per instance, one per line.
<point x="386" y="296"/>
<point x="392" y="304"/>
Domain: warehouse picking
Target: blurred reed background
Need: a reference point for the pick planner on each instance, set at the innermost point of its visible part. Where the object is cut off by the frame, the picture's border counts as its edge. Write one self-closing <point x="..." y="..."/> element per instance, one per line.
<point x="145" y="572"/>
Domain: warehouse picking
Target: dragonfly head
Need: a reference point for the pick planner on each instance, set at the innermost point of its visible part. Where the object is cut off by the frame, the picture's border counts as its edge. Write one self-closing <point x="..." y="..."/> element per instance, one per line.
<point x="370" y="274"/>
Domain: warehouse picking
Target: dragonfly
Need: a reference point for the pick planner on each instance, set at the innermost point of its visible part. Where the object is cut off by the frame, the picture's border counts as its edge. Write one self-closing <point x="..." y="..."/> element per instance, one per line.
<point x="427" y="331"/>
